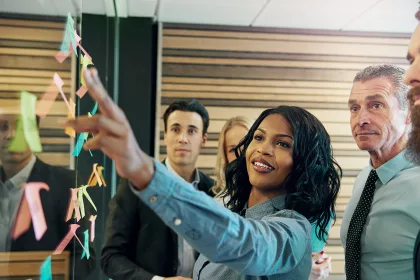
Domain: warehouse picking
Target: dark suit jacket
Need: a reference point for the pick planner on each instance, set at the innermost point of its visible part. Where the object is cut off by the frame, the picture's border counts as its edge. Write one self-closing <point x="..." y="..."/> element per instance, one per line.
<point x="417" y="258"/>
<point x="138" y="245"/>
<point x="55" y="203"/>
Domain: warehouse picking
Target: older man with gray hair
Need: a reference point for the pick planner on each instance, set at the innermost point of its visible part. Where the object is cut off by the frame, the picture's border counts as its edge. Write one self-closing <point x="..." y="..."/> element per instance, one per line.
<point x="382" y="219"/>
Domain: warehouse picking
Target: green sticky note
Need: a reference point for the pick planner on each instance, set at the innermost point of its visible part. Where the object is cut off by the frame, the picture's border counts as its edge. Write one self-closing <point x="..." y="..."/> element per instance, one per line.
<point x="86" y="245"/>
<point x="45" y="273"/>
<point x="84" y="188"/>
<point x="18" y="143"/>
<point x="30" y="127"/>
<point x="81" y="203"/>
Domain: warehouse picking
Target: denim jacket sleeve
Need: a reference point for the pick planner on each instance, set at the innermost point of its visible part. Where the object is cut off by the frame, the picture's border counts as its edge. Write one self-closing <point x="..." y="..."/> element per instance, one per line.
<point x="274" y="245"/>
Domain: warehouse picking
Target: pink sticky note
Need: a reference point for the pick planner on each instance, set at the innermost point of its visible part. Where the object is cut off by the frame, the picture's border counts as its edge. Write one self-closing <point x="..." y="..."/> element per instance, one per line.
<point x="82" y="91"/>
<point x="44" y="105"/>
<point x="80" y="46"/>
<point x="92" y="227"/>
<point x="35" y="207"/>
<point x="59" y="83"/>
<point x="74" y="205"/>
<point x="61" y="56"/>
<point x="66" y="240"/>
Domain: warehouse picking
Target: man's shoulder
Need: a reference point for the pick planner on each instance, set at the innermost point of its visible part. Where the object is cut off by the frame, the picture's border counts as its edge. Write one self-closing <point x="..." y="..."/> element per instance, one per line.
<point x="53" y="172"/>
<point x="205" y="180"/>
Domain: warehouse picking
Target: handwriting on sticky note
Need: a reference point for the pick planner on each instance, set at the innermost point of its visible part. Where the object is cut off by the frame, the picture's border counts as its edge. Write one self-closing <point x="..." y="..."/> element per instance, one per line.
<point x="73" y="205"/>
<point x="86" y="243"/>
<point x="35" y="207"/>
<point x="69" y="130"/>
<point x="45" y="273"/>
<point x="92" y="227"/>
<point x="44" y="105"/>
<point x="59" y="83"/>
<point x="23" y="219"/>
<point x="18" y="143"/>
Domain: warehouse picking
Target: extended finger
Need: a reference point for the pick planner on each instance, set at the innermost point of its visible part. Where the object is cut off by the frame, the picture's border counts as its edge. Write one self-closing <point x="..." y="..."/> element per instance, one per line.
<point x="95" y="124"/>
<point x="100" y="95"/>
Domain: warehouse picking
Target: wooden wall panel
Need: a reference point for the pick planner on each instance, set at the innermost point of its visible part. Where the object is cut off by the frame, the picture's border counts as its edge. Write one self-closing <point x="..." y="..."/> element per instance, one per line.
<point x="27" y="50"/>
<point x="242" y="71"/>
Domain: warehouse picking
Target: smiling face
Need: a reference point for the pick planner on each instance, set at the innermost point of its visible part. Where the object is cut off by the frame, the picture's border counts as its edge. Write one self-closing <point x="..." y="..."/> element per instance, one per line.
<point x="377" y="123"/>
<point x="269" y="156"/>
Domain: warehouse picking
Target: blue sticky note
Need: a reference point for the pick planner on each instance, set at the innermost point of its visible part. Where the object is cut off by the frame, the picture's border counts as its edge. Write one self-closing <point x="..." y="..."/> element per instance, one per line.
<point x="46" y="270"/>
<point x="95" y="108"/>
<point x="86" y="245"/>
<point x="68" y="37"/>
<point x="79" y="144"/>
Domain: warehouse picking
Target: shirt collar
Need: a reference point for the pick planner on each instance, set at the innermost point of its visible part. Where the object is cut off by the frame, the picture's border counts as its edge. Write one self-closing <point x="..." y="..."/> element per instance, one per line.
<point x="197" y="174"/>
<point x="22" y="176"/>
<point x="265" y="208"/>
<point x="392" y="167"/>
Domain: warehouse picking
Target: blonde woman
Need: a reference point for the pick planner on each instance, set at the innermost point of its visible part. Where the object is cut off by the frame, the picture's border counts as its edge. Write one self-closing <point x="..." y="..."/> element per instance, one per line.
<point x="231" y="134"/>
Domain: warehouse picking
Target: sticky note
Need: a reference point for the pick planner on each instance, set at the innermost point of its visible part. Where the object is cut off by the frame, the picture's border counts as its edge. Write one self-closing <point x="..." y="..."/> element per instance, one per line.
<point x="30" y="127"/>
<point x="43" y="106"/>
<point x="66" y="240"/>
<point x="86" y="243"/>
<point x="59" y="83"/>
<point x="79" y="144"/>
<point x="18" y="143"/>
<point x="35" y="207"/>
<point x="69" y="130"/>
<point x="73" y="205"/>
<point x="69" y="39"/>
<point x="96" y="176"/>
<point x="83" y="192"/>
<point x="81" y="91"/>
<point x="85" y="61"/>
<point x="23" y="219"/>
<point x="92" y="227"/>
<point x="94" y="109"/>
<point x="45" y="273"/>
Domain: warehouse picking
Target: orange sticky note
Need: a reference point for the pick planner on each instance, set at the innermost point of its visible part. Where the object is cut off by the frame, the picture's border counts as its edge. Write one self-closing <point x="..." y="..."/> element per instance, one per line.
<point x="81" y="91"/>
<point x="96" y="176"/>
<point x="92" y="227"/>
<point x="35" y="207"/>
<point x="69" y="130"/>
<point x="66" y="240"/>
<point x="74" y="205"/>
<point x="44" y="105"/>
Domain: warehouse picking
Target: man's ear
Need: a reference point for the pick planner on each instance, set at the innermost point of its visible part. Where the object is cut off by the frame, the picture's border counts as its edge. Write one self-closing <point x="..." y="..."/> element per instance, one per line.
<point x="165" y="138"/>
<point x="204" y="139"/>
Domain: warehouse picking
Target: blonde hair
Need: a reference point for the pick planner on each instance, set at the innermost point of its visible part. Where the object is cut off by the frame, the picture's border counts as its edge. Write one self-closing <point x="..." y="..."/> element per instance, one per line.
<point x="220" y="183"/>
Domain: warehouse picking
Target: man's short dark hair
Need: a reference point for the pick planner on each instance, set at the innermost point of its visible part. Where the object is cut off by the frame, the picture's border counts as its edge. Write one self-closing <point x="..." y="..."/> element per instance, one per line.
<point x="188" y="106"/>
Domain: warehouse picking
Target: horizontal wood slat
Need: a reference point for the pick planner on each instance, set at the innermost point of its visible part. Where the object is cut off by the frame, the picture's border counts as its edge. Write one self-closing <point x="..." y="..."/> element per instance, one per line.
<point x="243" y="71"/>
<point x="27" y="63"/>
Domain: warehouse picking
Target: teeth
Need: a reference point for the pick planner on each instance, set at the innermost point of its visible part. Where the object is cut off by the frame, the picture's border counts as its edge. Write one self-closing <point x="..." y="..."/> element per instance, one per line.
<point x="262" y="165"/>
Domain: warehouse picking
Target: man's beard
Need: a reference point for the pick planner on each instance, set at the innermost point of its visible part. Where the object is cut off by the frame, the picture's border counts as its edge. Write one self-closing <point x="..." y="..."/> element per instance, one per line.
<point x="413" y="146"/>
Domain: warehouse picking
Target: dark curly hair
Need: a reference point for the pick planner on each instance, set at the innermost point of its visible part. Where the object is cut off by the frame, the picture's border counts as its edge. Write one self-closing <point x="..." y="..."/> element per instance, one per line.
<point x="314" y="182"/>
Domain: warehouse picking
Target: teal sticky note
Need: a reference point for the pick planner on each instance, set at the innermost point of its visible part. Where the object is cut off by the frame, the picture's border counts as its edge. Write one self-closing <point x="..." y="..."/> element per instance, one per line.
<point x="79" y="144"/>
<point x="95" y="108"/>
<point x="86" y="245"/>
<point x="68" y="38"/>
<point x="45" y="273"/>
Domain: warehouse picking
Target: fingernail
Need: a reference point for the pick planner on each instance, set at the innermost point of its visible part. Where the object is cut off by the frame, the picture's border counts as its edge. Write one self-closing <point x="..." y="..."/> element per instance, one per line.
<point x="95" y="72"/>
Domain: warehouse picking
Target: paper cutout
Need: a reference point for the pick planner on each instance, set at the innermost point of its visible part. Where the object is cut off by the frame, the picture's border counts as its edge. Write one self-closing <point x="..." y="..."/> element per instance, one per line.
<point x="23" y="219"/>
<point x="79" y="144"/>
<point x="69" y="130"/>
<point x="83" y="192"/>
<point x="96" y="176"/>
<point x="35" y="207"/>
<point x="92" y="227"/>
<point x="18" y="143"/>
<point x="66" y="240"/>
<point x="45" y="273"/>
<point x="86" y="252"/>
<point x="85" y="61"/>
<point x="81" y="91"/>
<point x="94" y="109"/>
<point x="30" y="127"/>
<point x="74" y="205"/>
<point x="69" y="39"/>
<point x="61" y="56"/>
<point x="44" y="105"/>
<point x="59" y="83"/>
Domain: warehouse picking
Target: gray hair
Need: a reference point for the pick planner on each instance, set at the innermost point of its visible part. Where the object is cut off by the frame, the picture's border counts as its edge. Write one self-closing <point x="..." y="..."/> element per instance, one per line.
<point x="393" y="73"/>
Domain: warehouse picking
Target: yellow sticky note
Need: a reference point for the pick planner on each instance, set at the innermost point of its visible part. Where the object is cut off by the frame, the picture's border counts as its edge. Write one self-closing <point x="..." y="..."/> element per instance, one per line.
<point x="18" y="143"/>
<point x="28" y="108"/>
<point x="85" y="61"/>
<point x="69" y="130"/>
